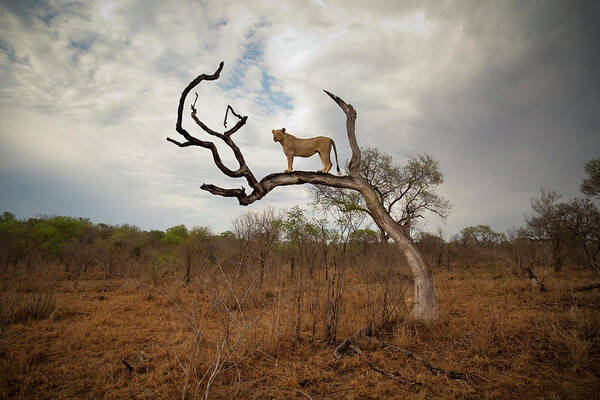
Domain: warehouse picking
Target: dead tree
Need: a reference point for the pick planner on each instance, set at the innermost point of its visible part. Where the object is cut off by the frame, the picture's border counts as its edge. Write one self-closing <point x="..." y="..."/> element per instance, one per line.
<point x="425" y="306"/>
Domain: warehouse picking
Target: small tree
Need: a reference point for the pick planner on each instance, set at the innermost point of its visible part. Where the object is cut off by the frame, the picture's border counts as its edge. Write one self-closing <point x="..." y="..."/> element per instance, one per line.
<point x="12" y="238"/>
<point x="425" y="302"/>
<point x="545" y="223"/>
<point x="481" y="235"/>
<point x="295" y="230"/>
<point x="581" y="219"/>
<point x="263" y="230"/>
<point x="82" y="251"/>
<point x="195" y="249"/>
<point x="407" y="193"/>
<point x="432" y="246"/>
<point x="591" y="185"/>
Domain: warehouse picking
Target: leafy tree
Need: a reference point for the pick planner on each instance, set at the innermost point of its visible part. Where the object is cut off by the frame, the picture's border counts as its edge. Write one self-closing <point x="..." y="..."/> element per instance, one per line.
<point x="364" y="236"/>
<point x="125" y="242"/>
<point x="158" y="234"/>
<point x="55" y="231"/>
<point x="407" y="193"/>
<point x="591" y="185"/>
<point x="195" y="246"/>
<point x="432" y="246"/>
<point x="175" y="234"/>
<point x="481" y="235"/>
<point x="227" y="235"/>
<point x="12" y="239"/>
<point x="295" y="229"/>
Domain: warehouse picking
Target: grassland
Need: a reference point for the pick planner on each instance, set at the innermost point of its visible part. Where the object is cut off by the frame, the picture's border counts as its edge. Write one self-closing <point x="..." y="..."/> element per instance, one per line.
<point x="126" y="338"/>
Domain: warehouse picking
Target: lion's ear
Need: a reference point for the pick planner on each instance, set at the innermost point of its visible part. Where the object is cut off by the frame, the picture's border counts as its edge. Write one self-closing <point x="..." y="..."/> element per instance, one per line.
<point x="283" y="130"/>
<point x="273" y="131"/>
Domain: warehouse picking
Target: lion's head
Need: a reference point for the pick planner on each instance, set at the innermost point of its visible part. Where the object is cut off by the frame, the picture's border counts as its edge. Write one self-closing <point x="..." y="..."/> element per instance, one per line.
<point x="278" y="134"/>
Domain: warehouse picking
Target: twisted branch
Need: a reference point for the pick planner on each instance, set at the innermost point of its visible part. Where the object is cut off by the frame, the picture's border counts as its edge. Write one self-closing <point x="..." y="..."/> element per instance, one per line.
<point x="269" y="182"/>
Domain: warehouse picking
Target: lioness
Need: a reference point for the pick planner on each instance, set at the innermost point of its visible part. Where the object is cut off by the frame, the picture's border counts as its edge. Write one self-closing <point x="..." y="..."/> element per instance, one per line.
<point x="293" y="146"/>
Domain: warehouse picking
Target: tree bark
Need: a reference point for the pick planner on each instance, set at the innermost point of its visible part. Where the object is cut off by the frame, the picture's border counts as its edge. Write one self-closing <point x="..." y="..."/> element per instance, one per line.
<point x="425" y="306"/>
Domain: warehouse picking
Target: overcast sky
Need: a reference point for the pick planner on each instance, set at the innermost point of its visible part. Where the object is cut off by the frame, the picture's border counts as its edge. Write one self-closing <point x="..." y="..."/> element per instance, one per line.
<point x="505" y="95"/>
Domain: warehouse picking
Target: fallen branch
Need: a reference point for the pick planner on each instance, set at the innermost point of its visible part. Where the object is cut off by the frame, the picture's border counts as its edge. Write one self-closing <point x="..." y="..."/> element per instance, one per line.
<point x="585" y="288"/>
<point x="347" y="346"/>
<point x="393" y="377"/>
<point x="465" y="376"/>
<point x="343" y="347"/>
<point x="125" y="363"/>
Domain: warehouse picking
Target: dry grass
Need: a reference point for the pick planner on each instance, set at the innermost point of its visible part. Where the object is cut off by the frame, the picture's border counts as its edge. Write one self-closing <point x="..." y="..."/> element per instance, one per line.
<point x="516" y="343"/>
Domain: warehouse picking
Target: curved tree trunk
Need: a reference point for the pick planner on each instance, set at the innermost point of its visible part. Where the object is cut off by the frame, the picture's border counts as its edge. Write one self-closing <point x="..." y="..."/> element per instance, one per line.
<point x="425" y="306"/>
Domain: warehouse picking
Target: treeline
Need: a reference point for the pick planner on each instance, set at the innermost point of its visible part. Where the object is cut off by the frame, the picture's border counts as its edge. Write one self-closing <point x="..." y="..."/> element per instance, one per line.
<point x="80" y="245"/>
<point x="555" y="234"/>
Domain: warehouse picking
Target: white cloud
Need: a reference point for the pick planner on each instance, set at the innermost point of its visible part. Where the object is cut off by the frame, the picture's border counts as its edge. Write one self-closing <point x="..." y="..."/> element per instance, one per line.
<point x="91" y="89"/>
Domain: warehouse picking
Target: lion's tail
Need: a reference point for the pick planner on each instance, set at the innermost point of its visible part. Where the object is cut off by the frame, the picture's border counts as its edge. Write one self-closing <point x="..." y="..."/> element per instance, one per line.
<point x="337" y="164"/>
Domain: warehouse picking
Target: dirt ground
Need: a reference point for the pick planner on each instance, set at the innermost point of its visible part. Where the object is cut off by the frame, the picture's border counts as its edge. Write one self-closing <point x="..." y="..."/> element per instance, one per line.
<point x="497" y="338"/>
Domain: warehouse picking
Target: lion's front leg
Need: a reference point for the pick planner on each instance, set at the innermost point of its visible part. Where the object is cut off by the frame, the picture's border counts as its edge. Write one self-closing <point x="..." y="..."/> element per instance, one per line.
<point x="290" y="160"/>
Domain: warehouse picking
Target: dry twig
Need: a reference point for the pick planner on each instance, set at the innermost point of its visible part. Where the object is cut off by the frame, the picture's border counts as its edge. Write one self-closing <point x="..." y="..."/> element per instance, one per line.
<point x="300" y="391"/>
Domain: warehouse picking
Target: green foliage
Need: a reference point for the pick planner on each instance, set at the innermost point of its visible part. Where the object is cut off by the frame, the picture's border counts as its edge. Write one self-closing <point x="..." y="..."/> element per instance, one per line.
<point x="160" y="264"/>
<point x="294" y="225"/>
<point x="481" y="235"/>
<point x="175" y="234"/>
<point x="12" y="239"/>
<point x="200" y="232"/>
<point x="408" y="193"/>
<point x="157" y="234"/>
<point x="9" y="225"/>
<point x="78" y="243"/>
<point x="54" y="232"/>
<point x="227" y="235"/>
<point x="8" y="217"/>
<point x="126" y="237"/>
<point x="364" y="236"/>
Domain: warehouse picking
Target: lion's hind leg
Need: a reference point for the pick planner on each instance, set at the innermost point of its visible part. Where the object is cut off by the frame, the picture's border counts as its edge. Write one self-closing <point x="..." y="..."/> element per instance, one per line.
<point x="326" y="162"/>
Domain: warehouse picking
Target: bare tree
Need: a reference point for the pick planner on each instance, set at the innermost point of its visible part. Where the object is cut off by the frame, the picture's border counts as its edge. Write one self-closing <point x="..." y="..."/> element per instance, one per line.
<point x="581" y="219"/>
<point x="264" y="232"/>
<point x="425" y="302"/>
<point x="546" y="224"/>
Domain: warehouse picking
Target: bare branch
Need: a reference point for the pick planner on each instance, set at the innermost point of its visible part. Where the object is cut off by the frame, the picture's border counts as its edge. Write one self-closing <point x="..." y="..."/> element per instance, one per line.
<point x="272" y="181"/>
<point x="233" y="112"/>
<point x="194" y="103"/>
<point x="354" y="166"/>
<point x="184" y="144"/>
<point x="243" y="170"/>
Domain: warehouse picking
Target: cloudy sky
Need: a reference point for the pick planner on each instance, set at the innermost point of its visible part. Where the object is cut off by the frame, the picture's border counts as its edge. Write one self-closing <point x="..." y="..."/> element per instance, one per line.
<point x="504" y="94"/>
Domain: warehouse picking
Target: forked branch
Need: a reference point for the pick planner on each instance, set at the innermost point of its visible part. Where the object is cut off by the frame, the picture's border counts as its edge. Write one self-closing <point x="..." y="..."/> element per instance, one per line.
<point x="269" y="182"/>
